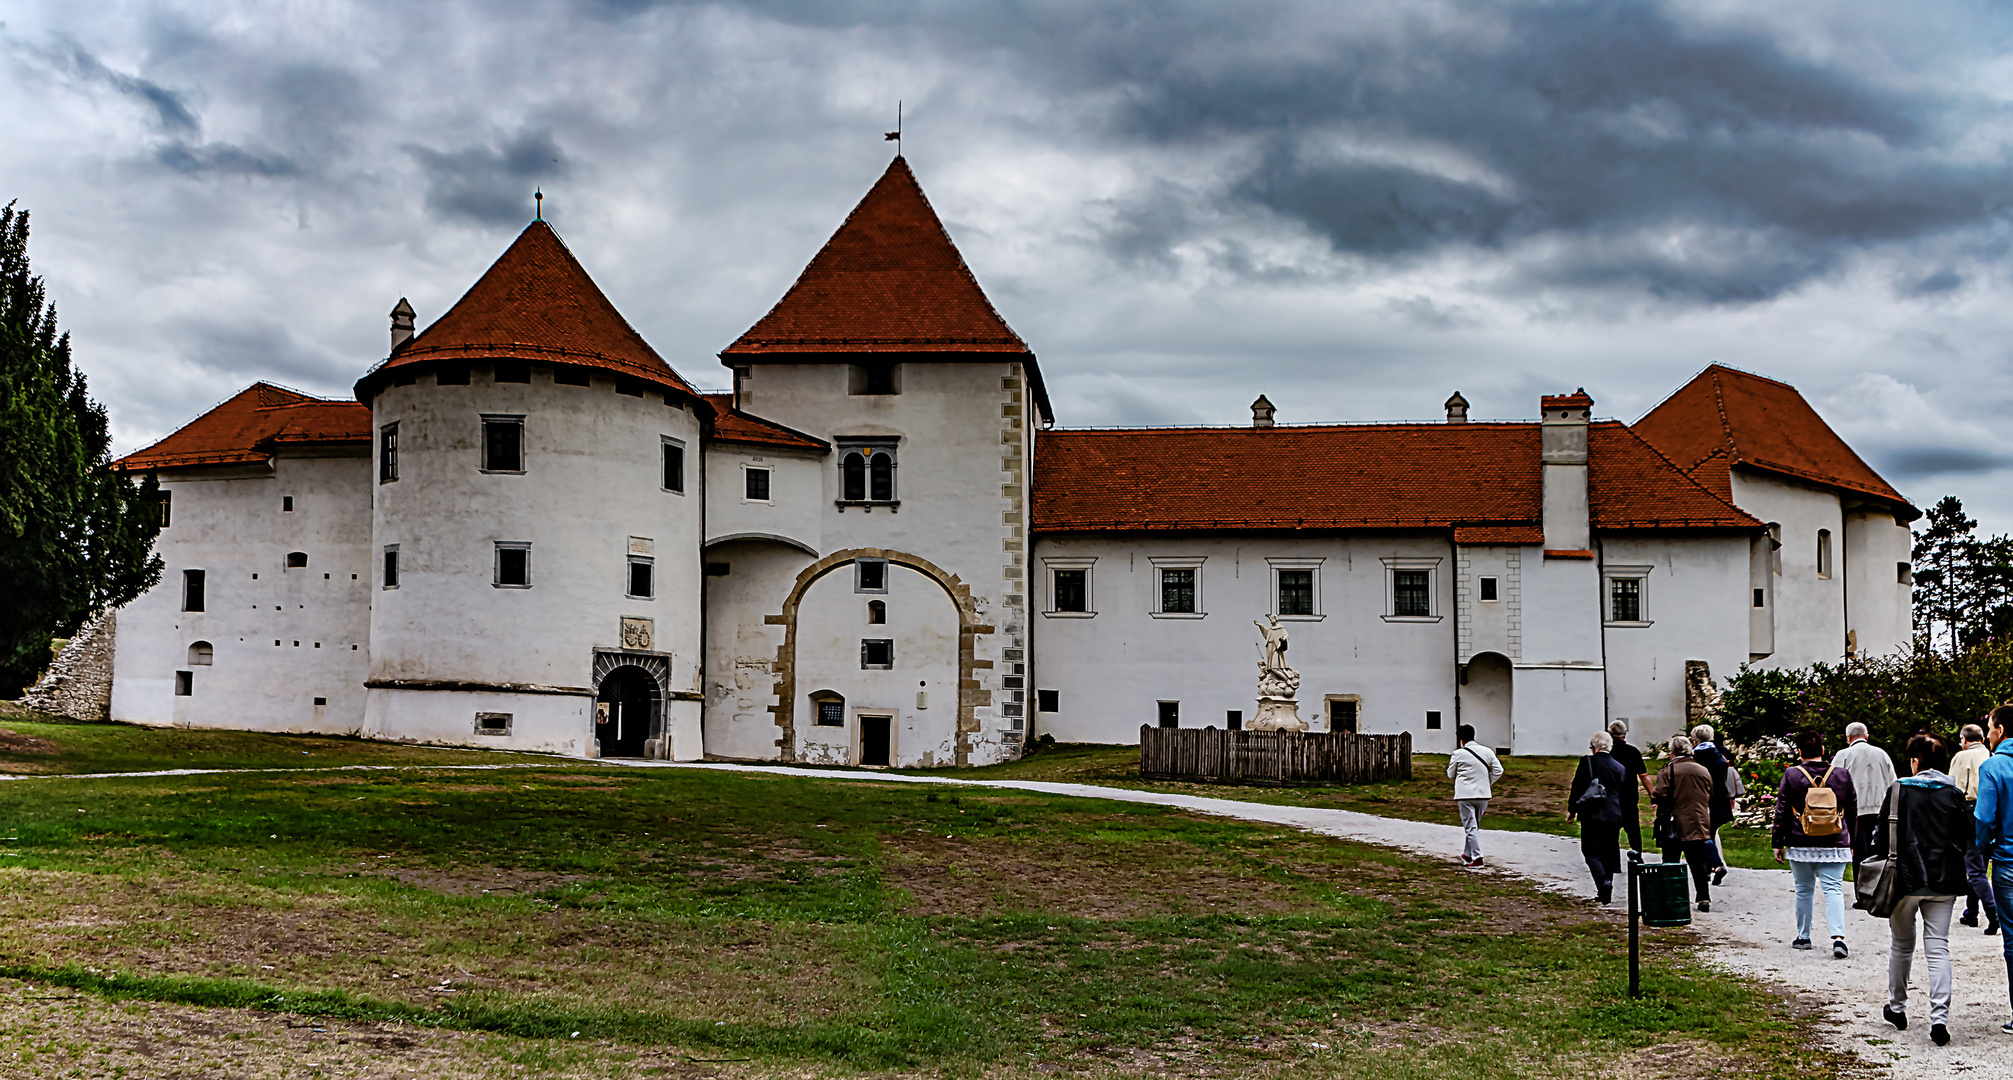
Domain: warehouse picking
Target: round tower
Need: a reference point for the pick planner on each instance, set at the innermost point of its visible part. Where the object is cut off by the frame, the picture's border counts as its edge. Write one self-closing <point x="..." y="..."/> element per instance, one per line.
<point x="536" y="523"/>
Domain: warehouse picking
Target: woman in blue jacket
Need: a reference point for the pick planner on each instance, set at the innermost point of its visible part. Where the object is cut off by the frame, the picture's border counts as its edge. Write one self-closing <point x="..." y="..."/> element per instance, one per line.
<point x="1994" y="828"/>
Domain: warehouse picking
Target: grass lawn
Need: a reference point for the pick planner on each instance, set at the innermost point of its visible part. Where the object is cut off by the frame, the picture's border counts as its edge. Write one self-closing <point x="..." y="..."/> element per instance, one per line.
<point x="586" y="921"/>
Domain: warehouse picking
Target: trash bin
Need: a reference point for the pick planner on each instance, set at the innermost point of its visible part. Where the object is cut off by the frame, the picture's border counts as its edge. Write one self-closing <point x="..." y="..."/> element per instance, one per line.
<point x="1666" y="894"/>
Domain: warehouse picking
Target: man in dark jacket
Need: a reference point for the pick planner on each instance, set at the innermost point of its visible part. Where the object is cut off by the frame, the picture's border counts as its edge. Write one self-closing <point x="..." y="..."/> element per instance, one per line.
<point x="1926" y="825"/>
<point x="1818" y="861"/>
<point x="1719" y="765"/>
<point x="1631" y="759"/>
<point x="1600" y="813"/>
<point x="1684" y="789"/>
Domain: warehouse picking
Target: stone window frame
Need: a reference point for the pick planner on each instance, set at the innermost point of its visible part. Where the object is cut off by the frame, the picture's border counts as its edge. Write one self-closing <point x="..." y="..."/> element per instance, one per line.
<point x="1087" y="564"/>
<point x="868" y="448"/>
<point x="1162" y="563"/>
<point x="1486" y="584"/>
<point x="769" y="480"/>
<point x="666" y="473"/>
<point x="865" y="666"/>
<point x="1431" y="565"/>
<point x="821" y="698"/>
<point x="629" y="577"/>
<point x="1313" y="563"/>
<point x="496" y="577"/>
<point x="1640" y="574"/>
<point x="516" y="420"/>
<point x="387" y="453"/>
<point x="494" y="724"/>
<point x="860" y="576"/>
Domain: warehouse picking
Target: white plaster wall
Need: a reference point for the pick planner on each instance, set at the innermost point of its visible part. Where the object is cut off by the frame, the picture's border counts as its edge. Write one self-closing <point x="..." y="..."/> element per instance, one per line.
<point x="592" y="480"/>
<point x="1877" y="600"/>
<point x="1559" y="684"/>
<point x="1556" y="707"/>
<point x="1112" y="670"/>
<point x="741" y="647"/>
<point x="798" y="504"/>
<point x="1695" y="602"/>
<point x="1495" y="625"/>
<point x="923" y="623"/>
<point x="547" y="723"/>
<point x="229" y="523"/>
<point x="1809" y="610"/>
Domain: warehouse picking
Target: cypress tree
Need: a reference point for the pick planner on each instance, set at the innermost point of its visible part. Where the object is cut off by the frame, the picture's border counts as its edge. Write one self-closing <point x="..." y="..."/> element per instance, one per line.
<point x="75" y="537"/>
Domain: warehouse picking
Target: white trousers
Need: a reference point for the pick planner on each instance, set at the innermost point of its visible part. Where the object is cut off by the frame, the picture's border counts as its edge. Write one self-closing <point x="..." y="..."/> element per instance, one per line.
<point x="1471" y="824"/>
<point x="1935" y="912"/>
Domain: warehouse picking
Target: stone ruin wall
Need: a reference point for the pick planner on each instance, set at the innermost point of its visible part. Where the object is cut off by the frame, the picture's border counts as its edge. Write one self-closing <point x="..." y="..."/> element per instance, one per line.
<point x="79" y="683"/>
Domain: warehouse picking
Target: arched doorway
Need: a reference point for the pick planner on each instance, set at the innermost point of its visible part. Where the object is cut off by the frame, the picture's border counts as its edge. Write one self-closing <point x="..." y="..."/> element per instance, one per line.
<point x="1485" y="698"/>
<point x="625" y="711"/>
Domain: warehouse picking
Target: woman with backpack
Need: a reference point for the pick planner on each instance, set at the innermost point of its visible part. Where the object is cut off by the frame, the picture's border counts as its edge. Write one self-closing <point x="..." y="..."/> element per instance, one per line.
<point x="1597" y="800"/>
<point x="1814" y="813"/>
<point x="1923" y="832"/>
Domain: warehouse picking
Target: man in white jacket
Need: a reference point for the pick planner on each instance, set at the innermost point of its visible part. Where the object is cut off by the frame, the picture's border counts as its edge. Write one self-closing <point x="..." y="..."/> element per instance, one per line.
<point x="1872" y="772"/>
<point x="1474" y="768"/>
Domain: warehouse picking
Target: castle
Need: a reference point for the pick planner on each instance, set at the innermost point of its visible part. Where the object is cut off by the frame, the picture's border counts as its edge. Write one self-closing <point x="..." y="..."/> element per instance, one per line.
<point x="528" y="531"/>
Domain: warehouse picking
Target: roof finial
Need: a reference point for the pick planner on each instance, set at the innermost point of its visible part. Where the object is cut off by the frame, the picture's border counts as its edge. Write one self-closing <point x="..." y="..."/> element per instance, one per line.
<point x="538" y="196"/>
<point x="895" y="136"/>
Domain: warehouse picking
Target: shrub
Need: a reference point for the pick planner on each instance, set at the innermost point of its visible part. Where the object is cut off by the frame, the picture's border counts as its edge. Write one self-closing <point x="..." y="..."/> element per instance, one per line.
<point x="1895" y="696"/>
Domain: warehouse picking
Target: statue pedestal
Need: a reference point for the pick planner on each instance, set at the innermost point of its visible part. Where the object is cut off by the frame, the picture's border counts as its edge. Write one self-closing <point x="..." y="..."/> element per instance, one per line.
<point x="1277" y="714"/>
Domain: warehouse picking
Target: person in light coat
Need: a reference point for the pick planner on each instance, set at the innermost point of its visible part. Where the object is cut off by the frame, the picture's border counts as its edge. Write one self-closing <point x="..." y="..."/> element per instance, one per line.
<point x="1475" y="771"/>
<point x="1873" y="773"/>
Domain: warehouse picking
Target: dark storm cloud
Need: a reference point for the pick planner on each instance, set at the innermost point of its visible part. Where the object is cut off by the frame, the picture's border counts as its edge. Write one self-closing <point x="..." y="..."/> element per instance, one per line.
<point x="68" y="58"/>
<point x="221" y="158"/>
<point x="488" y="184"/>
<point x="1939" y="461"/>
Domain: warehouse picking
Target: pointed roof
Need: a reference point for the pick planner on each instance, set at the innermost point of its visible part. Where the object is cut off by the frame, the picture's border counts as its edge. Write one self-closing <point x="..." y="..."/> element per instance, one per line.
<point x="1725" y="419"/>
<point x="250" y="425"/>
<point x="536" y="302"/>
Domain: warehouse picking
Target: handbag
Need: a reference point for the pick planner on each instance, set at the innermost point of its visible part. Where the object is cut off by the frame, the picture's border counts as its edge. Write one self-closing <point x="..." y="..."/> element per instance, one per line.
<point x="1877" y="879"/>
<point x="1596" y="795"/>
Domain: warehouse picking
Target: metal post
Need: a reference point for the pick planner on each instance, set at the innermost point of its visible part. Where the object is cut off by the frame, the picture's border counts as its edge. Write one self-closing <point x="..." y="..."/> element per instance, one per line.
<point x="1635" y="952"/>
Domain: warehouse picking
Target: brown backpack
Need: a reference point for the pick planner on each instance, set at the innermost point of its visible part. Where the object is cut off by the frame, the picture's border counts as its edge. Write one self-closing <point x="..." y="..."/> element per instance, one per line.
<point x="1820" y="815"/>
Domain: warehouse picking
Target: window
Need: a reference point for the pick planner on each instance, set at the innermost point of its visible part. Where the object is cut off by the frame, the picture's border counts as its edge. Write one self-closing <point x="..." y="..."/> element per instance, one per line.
<point x="167" y="503"/>
<point x="1760" y="598"/>
<point x="877" y="612"/>
<point x="185" y="683"/>
<point x="513" y="371"/>
<point x="297" y="560"/>
<point x="1775" y="547"/>
<point x="1072" y="590"/>
<point x="1342" y="713"/>
<point x="1233" y="719"/>
<point x="754" y="484"/>
<point x="1048" y="700"/>
<point x="877" y="653"/>
<point x="1488" y="590"/>
<point x="503" y="444"/>
<point x="719" y="569"/>
<point x="492" y="723"/>
<point x="1177" y="590"/>
<point x="286" y="504"/>
<point x="1170" y="714"/>
<point x="387" y="454"/>
<point x="874" y="379"/>
<point x="829" y="709"/>
<point x="565" y="375"/>
<point x="202" y="654"/>
<point x="192" y="590"/>
<point x="391" y="566"/>
<point x="1625" y="599"/>
<point x="1824" y="553"/>
<point x="452" y="375"/>
<point x="641" y="584"/>
<point x="513" y="565"/>
<point x="1411" y="593"/>
<point x="629" y="387"/>
<point x="866" y="471"/>
<point x="674" y="466"/>
<point x="1296" y="592"/>
<point x="1432" y="720"/>
<point x="870" y="575"/>
<point x="1902" y="575"/>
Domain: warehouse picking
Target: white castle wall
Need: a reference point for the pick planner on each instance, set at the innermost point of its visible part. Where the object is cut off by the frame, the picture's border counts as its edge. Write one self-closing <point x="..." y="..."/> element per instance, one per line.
<point x="1694" y="608"/>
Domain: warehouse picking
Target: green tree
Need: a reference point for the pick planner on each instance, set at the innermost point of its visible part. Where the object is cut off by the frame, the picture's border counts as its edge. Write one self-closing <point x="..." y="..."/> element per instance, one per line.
<point x="75" y="537"/>
<point x="1944" y="552"/>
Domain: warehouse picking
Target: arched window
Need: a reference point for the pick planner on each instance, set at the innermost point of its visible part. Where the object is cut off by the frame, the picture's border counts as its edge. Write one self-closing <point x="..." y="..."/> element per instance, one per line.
<point x="877" y="611"/>
<point x="296" y="559"/>
<point x="829" y="708"/>
<point x="201" y="654"/>
<point x="881" y="476"/>
<point x="853" y="477"/>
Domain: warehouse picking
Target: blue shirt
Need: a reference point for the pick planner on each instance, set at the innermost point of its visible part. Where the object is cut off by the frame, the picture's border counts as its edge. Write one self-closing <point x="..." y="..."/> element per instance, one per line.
<point x="1995" y="804"/>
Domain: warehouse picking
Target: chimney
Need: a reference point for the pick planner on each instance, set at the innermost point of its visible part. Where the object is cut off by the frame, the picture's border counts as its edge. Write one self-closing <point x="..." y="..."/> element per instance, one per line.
<point x="1563" y="438"/>
<point x="1261" y="412"/>
<point x="401" y="323"/>
<point x="1457" y="409"/>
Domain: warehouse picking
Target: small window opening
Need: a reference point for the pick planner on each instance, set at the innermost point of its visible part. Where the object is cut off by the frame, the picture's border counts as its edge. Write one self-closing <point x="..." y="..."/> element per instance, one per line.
<point x="829" y="709"/>
<point x="1048" y="700"/>
<point x="1488" y="589"/>
<point x="391" y="567"/>
<point x="1296" y="592"/>
<point x="387" y="454"/>
<point x="1432" y="721"/>
<point x="1072" y="592"/>
<point x="513" y="372"/>
<point x="877" y="653"/>
<point x="321" y="701"/>
<point x="756" y="484"/>
<point x="286" y="504"/>
<point x="192" y="590"/>
<point x="877" y="611"/>
<point x="492" y="723"/>
<point x="566" y="375"/>
<point x="1410" y="593"/>
<point x="873" y="575"/>
<point x="1626" y="599"/>
<point x="1233" y="719"/>
<point x="719" y="569"/>
<point x="452" y="375"/>
<point x="1824" y="553"/>
<point x="878" y="379"/>
<point x="1759" y="595"/>
<point x="1170" y="714"/>
<point x="185" y="683"/>
<point x="297" y="560"/>
<point x="641" y="583"/>
<point x="1177" y="590"/>
<point x="1341" y="714"/>
<point x="513" y="565"/>
<point x="1902" y="574"/>
<point x="674" y="467"/>
<point x="202" y="654"/>
<point x="629" y="387"/>
<point x="503" y="444"/>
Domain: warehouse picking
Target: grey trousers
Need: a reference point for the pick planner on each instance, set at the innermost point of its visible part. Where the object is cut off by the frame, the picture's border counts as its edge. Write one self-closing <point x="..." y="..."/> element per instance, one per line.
<point x="1471" y="823"/>
<point x="1935" y="912"/>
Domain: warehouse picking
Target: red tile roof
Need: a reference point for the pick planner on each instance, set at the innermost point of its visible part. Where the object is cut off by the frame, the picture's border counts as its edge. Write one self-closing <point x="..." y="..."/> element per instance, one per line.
<point x="248" y="427"/>
<point x="1481" y="479"/>
<point x="1725" y="418"/>
<point x="730" y="425"/>
<point x="535" y="303"/>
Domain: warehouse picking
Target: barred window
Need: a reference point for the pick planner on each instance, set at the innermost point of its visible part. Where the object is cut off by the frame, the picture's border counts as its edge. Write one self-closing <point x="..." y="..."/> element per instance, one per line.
<point x="1625" y="599"/>
<point x="1177" y="590"/>
<point x="1410" y="593"/>
<point x="1296" y="592"/>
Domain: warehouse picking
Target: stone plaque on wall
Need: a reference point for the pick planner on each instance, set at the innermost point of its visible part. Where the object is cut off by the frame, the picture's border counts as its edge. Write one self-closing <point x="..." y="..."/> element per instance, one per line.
<point x="636" y="633"/>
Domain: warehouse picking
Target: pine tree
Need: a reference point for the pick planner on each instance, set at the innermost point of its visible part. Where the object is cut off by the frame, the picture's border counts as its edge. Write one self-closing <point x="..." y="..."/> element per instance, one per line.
<point x="75" y="537"/>
<point x="1944" y="553"/>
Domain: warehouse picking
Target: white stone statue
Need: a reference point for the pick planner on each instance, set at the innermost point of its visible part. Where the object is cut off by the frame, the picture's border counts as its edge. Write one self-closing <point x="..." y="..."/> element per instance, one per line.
<point x="1278" y="707"/>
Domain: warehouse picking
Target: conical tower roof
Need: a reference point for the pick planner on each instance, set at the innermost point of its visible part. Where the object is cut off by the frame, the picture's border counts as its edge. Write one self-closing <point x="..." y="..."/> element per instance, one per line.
<point x="536" y="302"/>
<point x="889" y="281"/>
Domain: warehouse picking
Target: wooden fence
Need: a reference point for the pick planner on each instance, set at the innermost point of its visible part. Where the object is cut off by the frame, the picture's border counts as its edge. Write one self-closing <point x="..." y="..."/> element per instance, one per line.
<point x="1272" y="757"/>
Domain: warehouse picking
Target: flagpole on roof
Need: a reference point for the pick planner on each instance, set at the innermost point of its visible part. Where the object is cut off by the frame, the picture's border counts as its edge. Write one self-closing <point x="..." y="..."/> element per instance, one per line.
<point x="895" y="136"/>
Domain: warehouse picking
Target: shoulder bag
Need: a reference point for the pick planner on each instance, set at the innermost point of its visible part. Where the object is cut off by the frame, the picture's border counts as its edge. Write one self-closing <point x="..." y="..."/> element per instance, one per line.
<point x="1595" y="798"/>
<point x="1877" y="880"/>
<point x="1664" y="827"/>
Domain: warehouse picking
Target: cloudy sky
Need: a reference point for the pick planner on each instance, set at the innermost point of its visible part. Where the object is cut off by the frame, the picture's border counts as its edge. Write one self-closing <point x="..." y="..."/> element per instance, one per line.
<point x="1355" y="208"/>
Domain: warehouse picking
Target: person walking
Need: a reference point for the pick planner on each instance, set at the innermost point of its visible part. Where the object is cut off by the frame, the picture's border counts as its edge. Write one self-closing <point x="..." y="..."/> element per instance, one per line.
<point x="1598" y="801"/>
<point x="1932" y="832"/>
<point x="1637" y="786"/>
<point x="1721" y="767"/>
<point x="1992" y="822"/>
<point x="1872" y="772"/>
<point x="1684" y="788"/>
<point x="1964" y="771"/>
<point x="1815" y="832"/>
<point x="1475" y="771"/>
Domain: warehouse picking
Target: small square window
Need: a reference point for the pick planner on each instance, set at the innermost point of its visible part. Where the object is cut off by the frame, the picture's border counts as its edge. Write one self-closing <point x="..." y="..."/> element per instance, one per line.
<point x="1488" y="589"/>
<point x="1761" y="598"/>
<point x="1170" y="714"/>
<point x="513" y="566"/>
<point x="877" y="653"/>
<point x="1233" y="719"/>
<point x="493" y="723"/>
<point x="831" y="712"/>
<point x="1410" y="593"/>
<point x="185" y="683"/>
<point x="1342" y="714"/>
<point x="1432" y="721"/>
<point x="503" y="444"/>
<point x="1296" y="592"/>
<point x="873" y="575"/>
<point x="297" y="560"/>
<point x="1625" y="599"/>
<point x="674" y="467"/>
<point x="1048" y="700"/>
<point x="641" y="583"/>
<point x="1072" y="590"/>
<point x="877" y="612"/>
<point x="1177" y="590"/>
<point x="755" y="484"/>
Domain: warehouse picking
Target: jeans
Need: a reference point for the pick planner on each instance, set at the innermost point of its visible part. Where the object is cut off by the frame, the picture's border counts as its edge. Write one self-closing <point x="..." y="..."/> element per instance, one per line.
<point x="1935" y="912"/>
<point x="1471" y="823"/>
<point x="1981" y="884"/>
<point x="2002" y="894"/>
<point x="1700" y="857"/>
<point x="1600" y="845"/>
<point x="1809" y="876"/>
